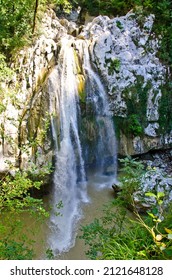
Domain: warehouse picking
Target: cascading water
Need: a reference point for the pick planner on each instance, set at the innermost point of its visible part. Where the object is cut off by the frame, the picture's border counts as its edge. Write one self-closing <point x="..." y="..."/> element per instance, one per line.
<point x="69" y="176"/>
<point x="71" y="156"/>
<point x="104" y="144"/>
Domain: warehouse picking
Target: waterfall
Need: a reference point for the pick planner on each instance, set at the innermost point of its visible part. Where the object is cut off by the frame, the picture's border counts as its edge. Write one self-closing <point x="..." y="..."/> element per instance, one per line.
<point x="71" y="145"/>
<point x="69" y="176"/>
<point x="105" y="154"/>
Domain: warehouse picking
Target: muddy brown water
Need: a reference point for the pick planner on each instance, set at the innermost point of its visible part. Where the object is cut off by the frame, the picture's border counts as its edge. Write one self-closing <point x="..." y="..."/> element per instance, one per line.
<point x="99" y="193"/>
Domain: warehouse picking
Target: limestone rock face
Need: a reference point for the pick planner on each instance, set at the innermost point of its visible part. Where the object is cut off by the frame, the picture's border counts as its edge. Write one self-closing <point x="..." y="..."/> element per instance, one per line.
<point x="153" y="181"/>
<point x="119" y="49"/>
<point x="123" y="52"/>
<point x="25" y="123"/>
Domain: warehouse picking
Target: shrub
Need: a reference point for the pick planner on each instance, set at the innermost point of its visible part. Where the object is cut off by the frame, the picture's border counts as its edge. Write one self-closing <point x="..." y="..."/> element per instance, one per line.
<point x="122" y="235"/>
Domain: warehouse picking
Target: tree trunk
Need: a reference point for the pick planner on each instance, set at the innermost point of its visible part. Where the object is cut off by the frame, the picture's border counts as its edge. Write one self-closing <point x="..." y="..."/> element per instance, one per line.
<point x="35" y="15"/>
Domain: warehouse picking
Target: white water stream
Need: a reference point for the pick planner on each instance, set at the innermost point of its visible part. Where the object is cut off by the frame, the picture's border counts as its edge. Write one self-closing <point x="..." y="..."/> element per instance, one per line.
<point x="71" y="156"/>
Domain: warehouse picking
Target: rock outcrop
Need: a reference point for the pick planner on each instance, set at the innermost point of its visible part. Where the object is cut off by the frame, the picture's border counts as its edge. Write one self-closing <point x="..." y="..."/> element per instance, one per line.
<point x="123" y="51"/>
<point x="153" y="183"/>
<point x="25" y="123"/>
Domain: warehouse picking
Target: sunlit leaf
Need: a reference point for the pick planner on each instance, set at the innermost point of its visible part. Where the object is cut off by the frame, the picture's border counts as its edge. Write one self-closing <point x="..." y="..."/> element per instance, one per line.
<point x="150" y="194"/>
<point x="160" y="194"/>
<point x="169" y="236"/>
<point x="168" y="230"/>
<point x="151" y="215"/>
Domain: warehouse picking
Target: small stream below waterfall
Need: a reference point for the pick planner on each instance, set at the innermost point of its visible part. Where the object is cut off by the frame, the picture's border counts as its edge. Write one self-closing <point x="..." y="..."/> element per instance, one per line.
<point x="99" y="193"/>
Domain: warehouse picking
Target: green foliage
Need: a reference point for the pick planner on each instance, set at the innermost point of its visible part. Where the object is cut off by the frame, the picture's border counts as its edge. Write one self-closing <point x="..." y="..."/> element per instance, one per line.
<point x="15" y="22"/>
<point x="5" y="76"/>
<point x="120" y="235"/>
<point x="49" y="254"/>
<point x="136" y="98"/>
<point x="131" y="171"/>
<point x="130" y="126"/>
<point x="136" y="101"/>
<point x="133" y="125"/>
<point x="15" y="194"/>
<point x="5" y="71"/>
<point x="13" y="250"/>
<point x="165" y="108"/>
<point x="82" y="97"/>
<point x="64" y="5"/>
<point x="15" y="199"/>
<point x="106" y="7"/>
<point x="14" y="243"/>
<point x="113" y="65"/>
<point x="119" y="24"/>
<point x="101" y="231"/>
<point x="160" y="234"/>
<point x="116" y="236"/>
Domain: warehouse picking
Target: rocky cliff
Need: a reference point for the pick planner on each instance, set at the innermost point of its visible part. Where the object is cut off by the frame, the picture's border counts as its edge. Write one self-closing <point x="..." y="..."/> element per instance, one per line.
<point x="124" y="52"/>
